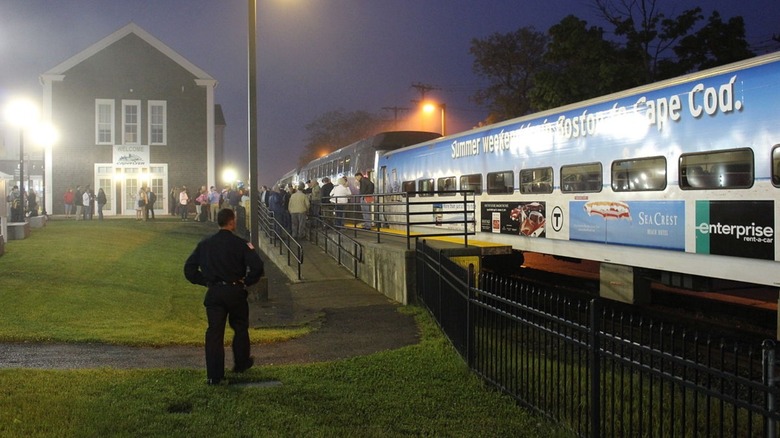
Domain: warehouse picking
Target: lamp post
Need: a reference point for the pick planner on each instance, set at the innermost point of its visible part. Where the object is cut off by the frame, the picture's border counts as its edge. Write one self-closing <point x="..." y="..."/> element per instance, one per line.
<point x="22" y="113"/>
<point x="430" y="107"/>
<point x="254" y="220"/>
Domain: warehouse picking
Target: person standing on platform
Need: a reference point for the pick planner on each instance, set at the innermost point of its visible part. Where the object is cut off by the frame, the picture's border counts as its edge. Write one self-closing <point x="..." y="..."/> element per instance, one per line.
<point x="78" y="198"/>
<point x="173" y="201"/>
<point x="213" y="204"/>
<point x="366" y="190"/>
<point x="140" y="208"/>
<point x="315" y="198"/>
<point x="101" y="202"/>
<point x="226" y="264"/>
<point x="68" y="199"/>
<point x="184" y="201"/>
<point x="299" y="208"/>
<point x="151" y="198"/>
<point x="86" y="199"/>
<point x="340" y="196"/>
<point x="15" y="199"/>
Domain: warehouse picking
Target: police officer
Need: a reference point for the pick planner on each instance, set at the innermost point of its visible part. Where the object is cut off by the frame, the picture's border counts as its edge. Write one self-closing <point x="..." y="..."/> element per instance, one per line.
<point x="226" y="264"/>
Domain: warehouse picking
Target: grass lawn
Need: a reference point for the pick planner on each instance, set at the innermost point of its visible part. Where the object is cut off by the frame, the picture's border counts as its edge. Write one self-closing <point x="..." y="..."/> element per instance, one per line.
<point x="68" y="277"/>
<point x="116" y="281"/>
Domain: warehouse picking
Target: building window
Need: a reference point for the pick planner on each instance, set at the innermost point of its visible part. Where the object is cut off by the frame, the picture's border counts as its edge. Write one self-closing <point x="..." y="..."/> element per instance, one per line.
<point x="131" y="121"/>
<point x="104" y="121"/>
<point x="158" y="122"/>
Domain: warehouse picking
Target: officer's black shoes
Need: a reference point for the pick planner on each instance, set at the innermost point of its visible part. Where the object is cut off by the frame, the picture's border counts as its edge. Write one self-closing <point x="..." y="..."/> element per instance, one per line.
<point x="247" y="365"/>
<point x="216" y="382"/>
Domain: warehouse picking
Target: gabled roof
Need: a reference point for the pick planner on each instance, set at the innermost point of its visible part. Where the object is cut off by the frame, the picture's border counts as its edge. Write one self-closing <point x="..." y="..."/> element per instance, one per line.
<point x="131" y="28"/>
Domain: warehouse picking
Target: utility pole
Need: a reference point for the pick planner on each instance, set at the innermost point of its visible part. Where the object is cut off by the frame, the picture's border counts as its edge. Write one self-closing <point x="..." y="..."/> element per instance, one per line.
<point x="423" y="89"/>
<point x="395" y="110"/>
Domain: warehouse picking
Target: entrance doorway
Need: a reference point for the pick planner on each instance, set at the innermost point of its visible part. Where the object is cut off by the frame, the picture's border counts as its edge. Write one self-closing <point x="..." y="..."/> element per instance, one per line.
<point x="121" y="185"/>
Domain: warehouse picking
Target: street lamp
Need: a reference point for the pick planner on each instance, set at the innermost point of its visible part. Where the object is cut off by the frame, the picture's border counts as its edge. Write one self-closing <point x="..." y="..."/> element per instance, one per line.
<point x="22" y="113"/>
<point x="229" y="176"/>
<point x="430" y="107"/>
<point x="254" y="220"/>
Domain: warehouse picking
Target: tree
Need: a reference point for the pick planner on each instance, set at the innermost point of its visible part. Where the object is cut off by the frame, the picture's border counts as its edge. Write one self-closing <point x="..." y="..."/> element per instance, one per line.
<point x="338" y="128"/>
<point x="649" y="34"/>
<point x="509" y="62"/>
<point x="715" y="44"/>
<point x="579" y="64"/>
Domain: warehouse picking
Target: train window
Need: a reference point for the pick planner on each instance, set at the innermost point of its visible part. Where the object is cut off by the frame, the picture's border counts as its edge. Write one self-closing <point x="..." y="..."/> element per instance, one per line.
<point x="472" y="182"/>
<point x="536" y="180"/>
<point x="332" y="168"/>
<point x="348" y="165"/>
<point x="776" y="165"/>
<point x="731" y="169"/>
<point x="499" y="183"/>
<point x="641" y="174"/>
<point x="408" y="187"/>
<point x="446" y="185"/>
<point x="580" y="178"/>
<point x="425" y="186"/>
<point x="340" y="168"/>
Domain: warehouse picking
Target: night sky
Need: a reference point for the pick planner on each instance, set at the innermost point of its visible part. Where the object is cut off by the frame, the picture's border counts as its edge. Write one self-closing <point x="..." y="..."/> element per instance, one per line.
<point x="313" y="55"/>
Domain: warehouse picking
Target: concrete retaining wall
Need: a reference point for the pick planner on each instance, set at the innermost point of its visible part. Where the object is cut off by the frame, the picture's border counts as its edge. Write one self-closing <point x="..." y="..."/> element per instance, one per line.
<point x="390" y="270"/>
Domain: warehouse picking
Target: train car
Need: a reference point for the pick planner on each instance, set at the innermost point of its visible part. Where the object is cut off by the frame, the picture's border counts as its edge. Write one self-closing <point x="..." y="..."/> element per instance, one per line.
<point x="676" y="180"/>
<point x="360" y="156"/>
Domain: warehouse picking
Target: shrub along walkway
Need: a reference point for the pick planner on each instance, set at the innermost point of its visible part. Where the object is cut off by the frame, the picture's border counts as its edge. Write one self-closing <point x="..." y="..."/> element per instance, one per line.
<point x="351" y="319"/>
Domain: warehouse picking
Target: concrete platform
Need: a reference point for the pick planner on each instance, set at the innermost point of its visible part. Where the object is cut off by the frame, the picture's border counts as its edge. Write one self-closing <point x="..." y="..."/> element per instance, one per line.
<point x="387" y="265"/>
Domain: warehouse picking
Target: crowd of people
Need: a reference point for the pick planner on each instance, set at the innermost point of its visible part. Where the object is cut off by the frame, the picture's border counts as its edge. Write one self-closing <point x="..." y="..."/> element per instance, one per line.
<point x="293" y="204"/>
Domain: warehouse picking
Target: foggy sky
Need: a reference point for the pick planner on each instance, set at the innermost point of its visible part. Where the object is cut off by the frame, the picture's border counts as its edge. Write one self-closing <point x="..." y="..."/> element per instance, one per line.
<point x="313" y="55"/>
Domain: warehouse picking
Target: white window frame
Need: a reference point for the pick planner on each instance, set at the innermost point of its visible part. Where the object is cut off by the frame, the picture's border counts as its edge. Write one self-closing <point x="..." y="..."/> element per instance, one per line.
<point x="110" y="124"/>
<point x="126" y="104"/>
<point x="163" y="125"/>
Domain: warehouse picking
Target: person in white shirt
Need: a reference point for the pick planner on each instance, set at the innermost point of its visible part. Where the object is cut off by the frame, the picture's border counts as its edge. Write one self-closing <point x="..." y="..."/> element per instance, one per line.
<point x="340" y="196"/>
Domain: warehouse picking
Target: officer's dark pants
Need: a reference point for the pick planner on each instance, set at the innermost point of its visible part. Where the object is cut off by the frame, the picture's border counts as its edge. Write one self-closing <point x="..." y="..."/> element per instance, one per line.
<point x="226" y="303"/>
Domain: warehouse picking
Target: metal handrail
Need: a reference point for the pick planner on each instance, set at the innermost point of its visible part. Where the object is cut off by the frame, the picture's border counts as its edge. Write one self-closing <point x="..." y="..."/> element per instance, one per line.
<point x="278" y="235"/>
<point x="344" y="245"/>
<point x="394" y="210"/>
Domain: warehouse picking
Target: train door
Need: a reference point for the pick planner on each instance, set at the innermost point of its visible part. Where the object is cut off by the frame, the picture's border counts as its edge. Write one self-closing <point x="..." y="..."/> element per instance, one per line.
<point x="381" y="182"/>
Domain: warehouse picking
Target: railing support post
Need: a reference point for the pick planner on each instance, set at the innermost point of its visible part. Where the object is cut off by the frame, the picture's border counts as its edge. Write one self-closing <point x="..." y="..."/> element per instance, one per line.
<point x="595" y="369"/>
<point x="768" y="362"/>
<point x="469" y="317"/>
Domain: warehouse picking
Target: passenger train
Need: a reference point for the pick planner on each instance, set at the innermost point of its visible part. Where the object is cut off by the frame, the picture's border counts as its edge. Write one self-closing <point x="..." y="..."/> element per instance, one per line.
<point x="676" y="180"/>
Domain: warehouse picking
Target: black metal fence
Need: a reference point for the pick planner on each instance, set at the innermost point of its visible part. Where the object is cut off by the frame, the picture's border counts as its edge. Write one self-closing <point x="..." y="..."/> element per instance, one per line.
<point x="595" y="367"/>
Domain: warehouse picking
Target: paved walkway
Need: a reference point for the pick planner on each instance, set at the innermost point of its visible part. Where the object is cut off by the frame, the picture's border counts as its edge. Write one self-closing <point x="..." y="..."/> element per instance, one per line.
<point x="351" y="319"/>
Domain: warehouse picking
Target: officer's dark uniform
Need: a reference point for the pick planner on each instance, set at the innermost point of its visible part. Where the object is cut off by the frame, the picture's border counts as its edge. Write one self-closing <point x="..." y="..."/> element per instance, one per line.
<point x="225" y="263"/>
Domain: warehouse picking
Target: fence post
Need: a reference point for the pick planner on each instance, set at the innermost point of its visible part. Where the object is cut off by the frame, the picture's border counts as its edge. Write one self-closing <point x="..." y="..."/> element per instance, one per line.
<point x="595" y="369"/>
<point x="768" y="362"/>
<point x="438" y="283"/>
<point x="465" y="220"/>
<point x="470" y="329"/>
<point x="354" y="259"/>
<point x="408" y="224"/>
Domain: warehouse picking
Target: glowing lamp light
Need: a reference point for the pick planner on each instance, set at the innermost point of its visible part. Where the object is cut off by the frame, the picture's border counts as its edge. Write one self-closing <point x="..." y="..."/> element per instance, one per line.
<point x="229" y="176"/>
<point x="430" y="107"/>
